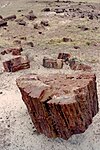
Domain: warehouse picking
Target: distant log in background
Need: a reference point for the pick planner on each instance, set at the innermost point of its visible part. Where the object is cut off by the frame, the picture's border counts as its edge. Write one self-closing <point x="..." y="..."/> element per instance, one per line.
<point x="60" y="105"/>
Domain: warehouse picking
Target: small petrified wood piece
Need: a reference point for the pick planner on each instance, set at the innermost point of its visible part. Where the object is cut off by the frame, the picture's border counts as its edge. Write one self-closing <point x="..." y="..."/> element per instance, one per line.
<point x="60" y="105"/>
<point x="64" y="56"/>
<point x="31" y="16"/>
<point x="76" y="65"/>
<point x="14" y="51"/>
<point x="16" y="64"/>
<point x="3" y="23"/>
<point x="12" y="17"/>
<point x="52" y="63"/>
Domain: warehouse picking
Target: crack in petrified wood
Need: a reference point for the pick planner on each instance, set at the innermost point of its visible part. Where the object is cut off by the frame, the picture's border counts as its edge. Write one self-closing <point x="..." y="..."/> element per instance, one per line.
<point x="60" y="105"/>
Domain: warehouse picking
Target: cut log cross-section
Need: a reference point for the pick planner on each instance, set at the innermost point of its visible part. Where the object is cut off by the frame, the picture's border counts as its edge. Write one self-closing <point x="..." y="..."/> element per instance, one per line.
<point x="60" y="105"/>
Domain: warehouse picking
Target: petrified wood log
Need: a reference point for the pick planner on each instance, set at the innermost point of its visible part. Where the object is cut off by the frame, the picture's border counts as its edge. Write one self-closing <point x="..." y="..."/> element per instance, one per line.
<point x="16" y="64"/>
<point x="52" y="63"/>
<point x="60" y="105"/>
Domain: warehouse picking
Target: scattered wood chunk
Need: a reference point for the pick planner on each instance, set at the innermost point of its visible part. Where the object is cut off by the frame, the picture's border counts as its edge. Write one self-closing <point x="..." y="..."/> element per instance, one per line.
<point x="21" y="22"/>
<point x="76" y="47"/>
<point x="47" y="9"/>
<point x="67" y="39"/>
<point x="76" y="65"/>
<point x="52" y="63"/>
<point x="44" y="23"/>
<point x="59" y="10"/>
<point x="12" y="17"/>
<point x="31" y="16"/>
<point x="16" y="64"/>
<point x="64" y="56"/>
<point x="60" y="105"/>
<point x="30" y="44"/>
<point x="14" y="51"/>
<point x="3" y="23"/>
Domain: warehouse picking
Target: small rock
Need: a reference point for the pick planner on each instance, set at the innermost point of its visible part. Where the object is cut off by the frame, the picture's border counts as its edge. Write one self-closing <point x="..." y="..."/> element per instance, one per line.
<point x="1" y="92"/>
<point x="45" y="23"/>
<point x="30" y="44"/>
<point x="59" y="10"/>
<point x="47" y="9"/>
<point x="8" y="125"/>
<point x="83" y="28"/>
<point x="31" y="16"/>
<point x="40" y="32"/>
<point x="3" y="23"/>
<point x="21" y="22"/>
<point x="23" y="38"/>
<point x="12" y="17"/>
<point x="67" y="39"/>
<point x="19" y="10"/>
<point x="76" y="47"/>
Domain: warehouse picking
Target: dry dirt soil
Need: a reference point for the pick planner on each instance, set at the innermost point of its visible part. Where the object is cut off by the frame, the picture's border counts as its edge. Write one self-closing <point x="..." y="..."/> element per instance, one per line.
<point x="65" y="19"/>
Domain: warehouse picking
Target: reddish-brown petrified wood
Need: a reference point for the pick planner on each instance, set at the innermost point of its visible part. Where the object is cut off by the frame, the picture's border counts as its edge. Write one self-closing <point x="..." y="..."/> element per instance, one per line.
<point x="64" y="56"/>
<point x="60" y="105"/>
<point x="52" y="63"/>
<point x="76" y="65"/>
<point x="16" y="64"/>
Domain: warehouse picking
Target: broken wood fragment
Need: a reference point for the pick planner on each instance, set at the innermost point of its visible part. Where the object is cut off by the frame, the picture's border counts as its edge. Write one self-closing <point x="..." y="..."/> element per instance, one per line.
<point x="3" y="23"/>
<point x="15" y="64"/>
<point x="12" y="17"/>
<point x="52" y="63"/>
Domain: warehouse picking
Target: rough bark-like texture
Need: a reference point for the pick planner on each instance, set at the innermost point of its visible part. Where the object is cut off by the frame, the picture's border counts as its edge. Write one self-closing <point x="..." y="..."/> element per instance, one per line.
<point x="16" y="64"/>
<point x="52" y="63"/>
<point x="60" y="105"/>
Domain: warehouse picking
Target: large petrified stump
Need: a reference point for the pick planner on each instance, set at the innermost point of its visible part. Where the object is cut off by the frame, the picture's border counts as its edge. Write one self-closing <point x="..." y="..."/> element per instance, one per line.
<point x="60" y="105"/>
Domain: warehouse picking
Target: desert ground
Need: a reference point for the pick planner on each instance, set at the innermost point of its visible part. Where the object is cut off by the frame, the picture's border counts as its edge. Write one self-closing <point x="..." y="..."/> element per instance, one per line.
<point x="17" y="131"/>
